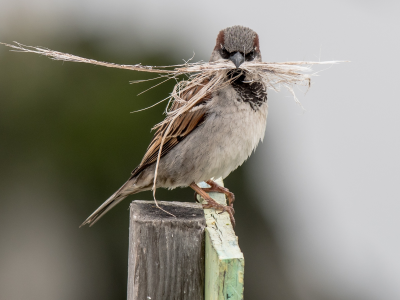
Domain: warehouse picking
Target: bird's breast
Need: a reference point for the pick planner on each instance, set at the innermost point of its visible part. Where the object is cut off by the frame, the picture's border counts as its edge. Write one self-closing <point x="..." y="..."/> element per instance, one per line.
<point x="235" y="125"/>
<point x="230" y="132"/>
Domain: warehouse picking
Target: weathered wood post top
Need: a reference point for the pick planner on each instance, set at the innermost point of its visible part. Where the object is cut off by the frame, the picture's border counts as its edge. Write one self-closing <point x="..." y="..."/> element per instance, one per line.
<point x="192" y="256"/>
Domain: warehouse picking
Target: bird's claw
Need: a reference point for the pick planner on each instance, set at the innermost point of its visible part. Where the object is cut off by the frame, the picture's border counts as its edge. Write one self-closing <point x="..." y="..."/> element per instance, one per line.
<point x="223" y="208"/>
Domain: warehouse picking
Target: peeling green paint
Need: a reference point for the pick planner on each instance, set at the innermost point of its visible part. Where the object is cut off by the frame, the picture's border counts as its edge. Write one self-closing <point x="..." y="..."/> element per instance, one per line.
<point x="224" y="261"/>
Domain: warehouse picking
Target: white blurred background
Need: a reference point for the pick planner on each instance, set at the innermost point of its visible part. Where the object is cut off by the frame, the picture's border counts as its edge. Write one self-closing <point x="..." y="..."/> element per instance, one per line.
<point x="326" y="179"/>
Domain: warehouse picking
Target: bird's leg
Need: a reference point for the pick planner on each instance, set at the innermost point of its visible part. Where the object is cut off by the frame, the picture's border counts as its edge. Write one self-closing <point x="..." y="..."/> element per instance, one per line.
<point x="195" y="197"/>
<point x="211" y="203"/>
<point x="215" y="187"/>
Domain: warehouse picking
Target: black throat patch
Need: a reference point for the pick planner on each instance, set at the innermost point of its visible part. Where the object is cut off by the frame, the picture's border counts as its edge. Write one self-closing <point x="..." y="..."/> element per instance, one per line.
<point x="252" y="93"/>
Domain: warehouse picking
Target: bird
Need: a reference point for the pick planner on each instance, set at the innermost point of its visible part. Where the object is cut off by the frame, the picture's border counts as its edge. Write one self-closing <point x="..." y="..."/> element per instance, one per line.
<point x="211" y="139"/>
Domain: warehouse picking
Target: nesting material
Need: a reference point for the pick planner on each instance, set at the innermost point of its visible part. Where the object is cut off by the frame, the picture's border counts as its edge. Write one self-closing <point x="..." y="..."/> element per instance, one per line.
<point x="212" y="76"/>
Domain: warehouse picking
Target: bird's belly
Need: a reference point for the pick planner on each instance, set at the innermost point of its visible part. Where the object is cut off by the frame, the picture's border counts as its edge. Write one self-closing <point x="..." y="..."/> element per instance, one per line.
<point x="232" y="139"/>
<point x="215" y="148"/>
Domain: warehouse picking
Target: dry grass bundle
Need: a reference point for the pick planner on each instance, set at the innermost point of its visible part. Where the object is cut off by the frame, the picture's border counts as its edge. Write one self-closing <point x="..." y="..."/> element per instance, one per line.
<point x="272" y="75"/>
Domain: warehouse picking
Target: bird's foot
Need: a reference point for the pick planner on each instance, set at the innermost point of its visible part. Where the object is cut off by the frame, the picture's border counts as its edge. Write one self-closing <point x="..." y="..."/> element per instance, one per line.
<point x="211" y="203"/>
<point x="215" y="187"/>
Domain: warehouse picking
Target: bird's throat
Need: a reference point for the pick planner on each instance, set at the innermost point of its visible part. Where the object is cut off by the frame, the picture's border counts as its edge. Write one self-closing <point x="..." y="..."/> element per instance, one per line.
<point x="238" y="75"/>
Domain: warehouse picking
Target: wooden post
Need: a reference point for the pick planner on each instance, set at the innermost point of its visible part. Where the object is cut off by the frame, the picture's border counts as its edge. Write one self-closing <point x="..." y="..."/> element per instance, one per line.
<point x="224" y="260"/>
<point x="180" y="258"/>
<point x="166" y="254"/>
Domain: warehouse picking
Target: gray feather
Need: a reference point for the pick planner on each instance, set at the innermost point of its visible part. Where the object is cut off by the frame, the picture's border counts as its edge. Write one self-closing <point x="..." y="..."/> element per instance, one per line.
<point x="239" y="38"/>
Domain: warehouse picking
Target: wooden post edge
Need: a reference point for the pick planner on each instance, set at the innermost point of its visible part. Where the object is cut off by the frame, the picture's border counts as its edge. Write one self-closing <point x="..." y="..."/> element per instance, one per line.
<point x="224" y="270"/>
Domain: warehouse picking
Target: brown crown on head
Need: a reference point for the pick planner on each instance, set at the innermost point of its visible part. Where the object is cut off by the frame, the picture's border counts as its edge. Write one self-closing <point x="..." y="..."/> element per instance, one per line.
<point x="238" y="38"/>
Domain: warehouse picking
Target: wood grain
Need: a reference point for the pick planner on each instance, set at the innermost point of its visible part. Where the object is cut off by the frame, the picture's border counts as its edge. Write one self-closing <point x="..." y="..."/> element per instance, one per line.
<point x="166" y="254"/>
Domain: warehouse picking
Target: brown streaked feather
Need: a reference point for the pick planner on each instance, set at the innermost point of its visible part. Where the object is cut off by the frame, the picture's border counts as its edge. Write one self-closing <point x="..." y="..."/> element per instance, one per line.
<point x="220" y="40"/>
<point x="181" y="128"/>
<point x="257" y="43"/>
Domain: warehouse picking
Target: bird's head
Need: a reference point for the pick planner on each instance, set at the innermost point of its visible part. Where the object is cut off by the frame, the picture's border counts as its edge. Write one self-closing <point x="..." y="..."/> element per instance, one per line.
<point x="238" y="44"/>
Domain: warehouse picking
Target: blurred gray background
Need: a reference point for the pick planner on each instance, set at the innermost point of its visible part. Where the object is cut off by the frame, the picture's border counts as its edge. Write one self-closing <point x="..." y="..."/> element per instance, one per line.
<point x="318" y="203"/>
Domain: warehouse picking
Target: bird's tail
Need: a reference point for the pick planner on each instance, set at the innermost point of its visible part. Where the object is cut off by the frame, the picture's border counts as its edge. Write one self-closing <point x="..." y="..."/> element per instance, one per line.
<point x="115" y="198"/>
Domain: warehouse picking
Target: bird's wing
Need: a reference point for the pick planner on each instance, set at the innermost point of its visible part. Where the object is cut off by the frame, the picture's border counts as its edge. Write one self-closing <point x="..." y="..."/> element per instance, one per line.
<point x="181" y="128"/>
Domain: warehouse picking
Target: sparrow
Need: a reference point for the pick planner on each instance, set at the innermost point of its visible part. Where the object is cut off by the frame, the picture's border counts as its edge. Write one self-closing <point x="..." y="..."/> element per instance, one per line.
<point x="211" y="139"/>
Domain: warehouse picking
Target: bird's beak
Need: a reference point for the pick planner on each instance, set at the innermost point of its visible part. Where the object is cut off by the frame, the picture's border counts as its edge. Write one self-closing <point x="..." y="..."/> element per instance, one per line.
<point x="237" y="59"/>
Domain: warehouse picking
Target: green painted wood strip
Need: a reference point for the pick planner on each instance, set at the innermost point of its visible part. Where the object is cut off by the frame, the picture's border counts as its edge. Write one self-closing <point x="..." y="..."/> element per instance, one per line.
<point x="224" y="260"/>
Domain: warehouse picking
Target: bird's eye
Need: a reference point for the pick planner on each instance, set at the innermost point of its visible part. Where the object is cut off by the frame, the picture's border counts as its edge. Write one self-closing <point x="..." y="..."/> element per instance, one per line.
<point x="250" y="56"/>
<point x="224" y="53"/>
